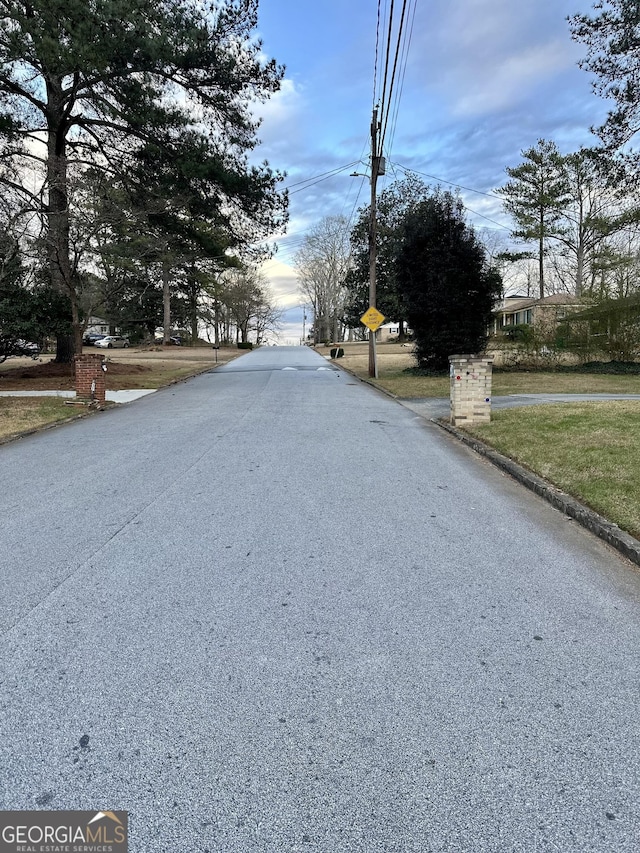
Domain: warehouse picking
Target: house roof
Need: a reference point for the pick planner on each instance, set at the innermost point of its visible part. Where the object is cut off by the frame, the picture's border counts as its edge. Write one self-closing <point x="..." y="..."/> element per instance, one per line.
<point x="518" y="303"/>
<point x="511" y="305"/>
<point x="609" y="308"/>
<point x="560" y="299"/>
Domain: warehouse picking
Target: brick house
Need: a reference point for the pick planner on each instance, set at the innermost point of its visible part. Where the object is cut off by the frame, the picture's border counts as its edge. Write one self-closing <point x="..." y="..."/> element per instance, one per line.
<point x="544" y="315"/>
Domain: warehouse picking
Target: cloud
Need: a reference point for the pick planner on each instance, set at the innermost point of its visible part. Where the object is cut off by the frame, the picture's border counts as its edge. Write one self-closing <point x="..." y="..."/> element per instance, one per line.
<point x="290" y="331"/>
<point x="281" y="118"/>
<point x="478" y="57"/>
<point x="283" y="281"/>
<point x="501" y="87"/>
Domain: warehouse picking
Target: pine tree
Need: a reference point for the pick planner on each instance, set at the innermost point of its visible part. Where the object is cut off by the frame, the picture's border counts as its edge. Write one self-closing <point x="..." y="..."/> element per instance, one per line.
<point x="612" y="38"/>
<point x="535" y="197"/>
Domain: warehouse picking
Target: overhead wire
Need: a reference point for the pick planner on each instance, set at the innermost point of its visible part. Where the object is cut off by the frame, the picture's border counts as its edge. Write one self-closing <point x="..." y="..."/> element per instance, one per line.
<point x="460" y="187"/>
<point x="386" y="62"/>
<point x="350" y="220"/>
<point x="377" y="75"/>
<point x="385" y="86"/>
<point x="386" y="109"/>
<point x="316" y="179"/>
<point x="406" y="169"/>
<point x="355" y="204"/>
<point x="389" y="109"/>
<point x="404" y="61"/>
<point x="488" y="218"/>
<point x="385" y="80"/>
<point x="375" y="64"/>
<point x="388" y="88"/>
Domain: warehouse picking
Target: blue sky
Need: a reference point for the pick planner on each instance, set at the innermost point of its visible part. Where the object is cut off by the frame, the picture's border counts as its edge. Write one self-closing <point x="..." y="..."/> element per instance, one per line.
<point x="484" y="80"/>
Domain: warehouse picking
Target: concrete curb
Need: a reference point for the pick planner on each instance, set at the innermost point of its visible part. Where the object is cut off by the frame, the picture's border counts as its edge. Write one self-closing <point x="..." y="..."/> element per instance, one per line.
<point x="15" y="436"/>
<point x="623" y="542"/>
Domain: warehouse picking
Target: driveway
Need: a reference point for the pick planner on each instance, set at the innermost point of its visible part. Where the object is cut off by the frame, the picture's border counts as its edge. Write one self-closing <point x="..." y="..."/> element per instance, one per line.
<point x="439" y="407"/>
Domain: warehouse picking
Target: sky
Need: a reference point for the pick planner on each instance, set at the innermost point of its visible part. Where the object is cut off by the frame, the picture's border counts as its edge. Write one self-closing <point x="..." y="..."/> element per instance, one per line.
<point x="482" y="80"/>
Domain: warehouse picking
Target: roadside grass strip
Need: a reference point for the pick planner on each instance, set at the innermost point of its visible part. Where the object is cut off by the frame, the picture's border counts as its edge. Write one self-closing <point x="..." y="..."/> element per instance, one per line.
<point x="409" y="386"/>
<point x="23" y="414"/>
<point x="589" y="450"/>
<point x="522" y="382"/>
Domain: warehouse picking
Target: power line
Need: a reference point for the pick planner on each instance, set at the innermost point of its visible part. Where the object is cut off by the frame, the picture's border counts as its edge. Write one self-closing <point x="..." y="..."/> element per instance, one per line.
<point x="488" y="218"/>
<point x="459" y="186"/>
<point x="386" y="110"/>
<point x="316" y="179"/>
<point x="375" y="65"/>
<point x="403" y="62"/>
<point x="386" y="64"/>
<point x="350" y="220"/>
<point x="406" y="169"/>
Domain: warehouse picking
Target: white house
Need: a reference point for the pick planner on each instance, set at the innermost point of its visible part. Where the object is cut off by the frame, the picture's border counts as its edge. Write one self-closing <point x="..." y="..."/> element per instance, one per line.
<point x="389" y="331"/>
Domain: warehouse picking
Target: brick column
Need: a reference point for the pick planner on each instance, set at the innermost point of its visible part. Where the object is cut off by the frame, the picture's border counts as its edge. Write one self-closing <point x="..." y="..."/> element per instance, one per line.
<point x="470" y="389"/>
<point x="90" y="377"/>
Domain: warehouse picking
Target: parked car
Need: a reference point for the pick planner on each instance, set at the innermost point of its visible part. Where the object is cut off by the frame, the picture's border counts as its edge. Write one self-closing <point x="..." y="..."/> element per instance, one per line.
<point x="111" y="341"/>
<point x="91" y="337"/>
<point x="14" y="348"/>
<point x="27" y="348"/>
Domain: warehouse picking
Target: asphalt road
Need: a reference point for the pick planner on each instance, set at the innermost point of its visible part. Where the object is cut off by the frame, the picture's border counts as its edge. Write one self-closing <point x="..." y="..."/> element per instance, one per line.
<point x="273" y="610"/>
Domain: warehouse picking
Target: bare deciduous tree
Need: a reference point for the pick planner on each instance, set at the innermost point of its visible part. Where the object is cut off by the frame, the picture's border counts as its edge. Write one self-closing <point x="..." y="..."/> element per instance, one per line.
<point x="322" y="264"/>
<point x="250" y="304"/>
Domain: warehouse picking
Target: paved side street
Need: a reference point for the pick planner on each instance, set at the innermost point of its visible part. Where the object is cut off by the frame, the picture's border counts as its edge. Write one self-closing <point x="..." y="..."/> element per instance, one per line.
<point x="271" y="609"/>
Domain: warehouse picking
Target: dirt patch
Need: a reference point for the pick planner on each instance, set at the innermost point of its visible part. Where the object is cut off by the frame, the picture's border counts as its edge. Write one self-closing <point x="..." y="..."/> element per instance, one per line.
<point x="151" y="367"/>
<point x="51" y="376"/>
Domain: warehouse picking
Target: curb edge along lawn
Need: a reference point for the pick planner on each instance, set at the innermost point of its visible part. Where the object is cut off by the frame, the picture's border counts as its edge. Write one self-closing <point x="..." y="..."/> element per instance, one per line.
<point x="623" y="542"/>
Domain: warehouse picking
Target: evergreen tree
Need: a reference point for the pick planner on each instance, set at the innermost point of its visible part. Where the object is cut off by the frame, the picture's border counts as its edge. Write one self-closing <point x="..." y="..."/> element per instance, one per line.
<point x="444" y="279"/>
<point x="393" y="204"/>
<point x="589" y="212"/>
<point x="29" y="311"/>
<point x="535" y="197"/>
<point x="612" y="38"/>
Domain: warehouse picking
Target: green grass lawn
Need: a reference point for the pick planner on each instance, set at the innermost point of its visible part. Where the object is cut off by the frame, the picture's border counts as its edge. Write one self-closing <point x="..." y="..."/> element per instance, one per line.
<point x="409" y="386"/>
<point x="590" y="450"/>
<point x="21" y="414"/>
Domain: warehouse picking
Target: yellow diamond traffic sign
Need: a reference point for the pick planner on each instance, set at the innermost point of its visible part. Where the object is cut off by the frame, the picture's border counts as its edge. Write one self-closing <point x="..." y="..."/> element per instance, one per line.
<point x="372" y="319"/>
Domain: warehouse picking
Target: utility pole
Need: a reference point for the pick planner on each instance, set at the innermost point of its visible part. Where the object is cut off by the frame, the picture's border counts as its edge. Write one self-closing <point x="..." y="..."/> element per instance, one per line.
<point x="375" y="171"/>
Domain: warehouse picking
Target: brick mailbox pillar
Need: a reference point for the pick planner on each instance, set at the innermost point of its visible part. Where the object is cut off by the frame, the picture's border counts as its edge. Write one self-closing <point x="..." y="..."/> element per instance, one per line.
<point x="90" y="378"/>
<point x="470" y="389"/>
